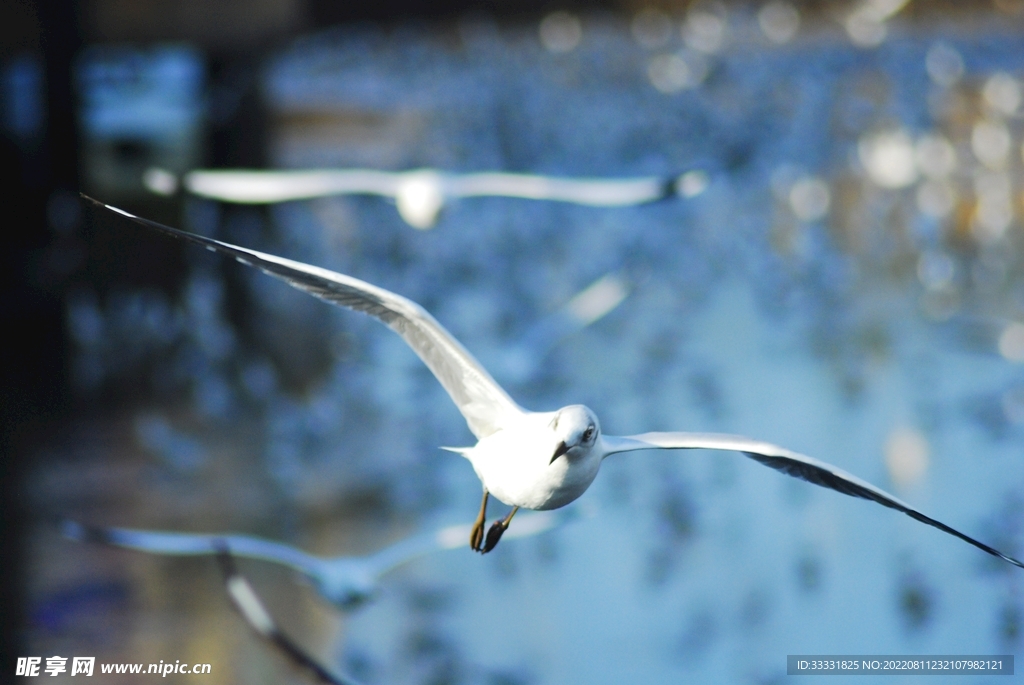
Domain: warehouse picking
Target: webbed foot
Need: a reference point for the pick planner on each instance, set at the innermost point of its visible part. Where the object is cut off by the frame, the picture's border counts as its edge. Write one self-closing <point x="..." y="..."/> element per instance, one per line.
<point x="497" y="529"/>
<point x="476" y="536"/>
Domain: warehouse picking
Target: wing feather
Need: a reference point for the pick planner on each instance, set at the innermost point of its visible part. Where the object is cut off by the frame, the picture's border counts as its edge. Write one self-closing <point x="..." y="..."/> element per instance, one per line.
<point x="599" y="192"/>
<point x="792" y="464"/>
<point x="263" y="187"/>
<point x="192" y="544"/>
<point x="484" y="404"/>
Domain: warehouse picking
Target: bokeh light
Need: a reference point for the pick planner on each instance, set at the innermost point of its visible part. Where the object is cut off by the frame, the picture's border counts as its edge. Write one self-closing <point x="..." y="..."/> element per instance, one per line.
<point x="561" y="32"/>
<point x="888" y="158"/>
<point x="991" y="141"/>
<point x="865" y="29"/>
<point x="779" y="21"/>
<point x="704" y="30"/>
<point x="1002" y="93"/>
<point x="692" y="183"/>
<point x="1011" y="342"/>
<point x="810" y="198"/>
<point x="906" y="456"/>
<point x="674" y="72"/>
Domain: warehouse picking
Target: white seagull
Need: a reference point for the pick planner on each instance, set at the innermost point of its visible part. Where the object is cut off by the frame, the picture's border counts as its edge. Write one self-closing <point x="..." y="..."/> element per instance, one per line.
<point x="346" y="582"/>
<point x="420" y="194"/>
<point x="536" y="460"/>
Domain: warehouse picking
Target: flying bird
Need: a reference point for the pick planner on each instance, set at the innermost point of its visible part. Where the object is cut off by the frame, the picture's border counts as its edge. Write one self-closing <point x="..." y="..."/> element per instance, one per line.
<point x="420" y="194"/>
<point x="532" y="460"/>
<point x="346" y="582"/>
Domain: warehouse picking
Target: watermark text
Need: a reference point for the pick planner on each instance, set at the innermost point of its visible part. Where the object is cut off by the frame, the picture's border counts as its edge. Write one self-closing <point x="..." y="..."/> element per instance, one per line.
<point x="32" y="666"/>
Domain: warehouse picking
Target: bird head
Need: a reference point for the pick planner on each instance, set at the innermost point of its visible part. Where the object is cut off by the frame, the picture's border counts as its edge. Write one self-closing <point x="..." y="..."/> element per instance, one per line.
<point x="576" y="430"/>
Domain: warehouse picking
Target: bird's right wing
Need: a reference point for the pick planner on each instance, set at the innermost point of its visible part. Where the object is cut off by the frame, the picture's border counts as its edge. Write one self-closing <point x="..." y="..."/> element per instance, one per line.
<point x="263" y="187"/>
<point x="485" y="405"/>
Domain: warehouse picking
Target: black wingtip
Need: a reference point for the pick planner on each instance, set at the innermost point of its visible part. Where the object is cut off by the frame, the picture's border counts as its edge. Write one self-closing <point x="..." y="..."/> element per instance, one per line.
<point x="966" y="538"/>
<point x="93" y="201"/>
<point x="827" y="478"/>
<point x="225" y="561"/>
<point x="156" y="225"/>
<point x="669" y="188"/>
<point x="81" y="532"/>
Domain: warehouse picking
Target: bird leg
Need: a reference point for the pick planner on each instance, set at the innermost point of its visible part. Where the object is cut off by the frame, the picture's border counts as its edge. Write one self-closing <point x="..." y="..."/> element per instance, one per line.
<point x="497" y="528"/>
<point x="476" y="536"/>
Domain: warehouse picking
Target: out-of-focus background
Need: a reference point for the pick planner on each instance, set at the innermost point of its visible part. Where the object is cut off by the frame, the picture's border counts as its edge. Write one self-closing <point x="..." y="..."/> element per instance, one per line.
<point x="842" y="275"/>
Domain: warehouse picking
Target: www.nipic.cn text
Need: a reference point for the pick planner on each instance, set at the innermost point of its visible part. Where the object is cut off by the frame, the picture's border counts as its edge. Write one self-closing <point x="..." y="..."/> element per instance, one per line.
<point x="86" y="665"/>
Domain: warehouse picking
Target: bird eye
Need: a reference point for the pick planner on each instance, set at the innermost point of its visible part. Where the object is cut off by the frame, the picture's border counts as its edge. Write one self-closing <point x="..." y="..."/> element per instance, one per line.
<point x="587" y="434"/>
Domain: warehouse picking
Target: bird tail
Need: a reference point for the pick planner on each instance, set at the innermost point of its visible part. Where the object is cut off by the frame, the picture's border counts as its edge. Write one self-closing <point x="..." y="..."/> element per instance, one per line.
<point x="464" y="451"/>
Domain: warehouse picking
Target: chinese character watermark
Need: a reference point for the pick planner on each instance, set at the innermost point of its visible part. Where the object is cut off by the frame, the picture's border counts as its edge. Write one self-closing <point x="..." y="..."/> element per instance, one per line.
<point x="28" y="665"/>
<point x="56" y="664"/>
<point x="83" y="665"/>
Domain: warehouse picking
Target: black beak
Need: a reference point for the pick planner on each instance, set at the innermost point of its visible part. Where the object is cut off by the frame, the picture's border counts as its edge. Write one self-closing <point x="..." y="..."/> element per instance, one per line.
<point x="559" y="451"/>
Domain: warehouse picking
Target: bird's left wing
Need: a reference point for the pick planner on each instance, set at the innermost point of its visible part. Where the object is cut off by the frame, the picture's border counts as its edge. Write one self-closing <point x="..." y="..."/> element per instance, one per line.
<point x="790" y="463"/>
<point x="191" y="544"/>
<point x="485" y="405"/>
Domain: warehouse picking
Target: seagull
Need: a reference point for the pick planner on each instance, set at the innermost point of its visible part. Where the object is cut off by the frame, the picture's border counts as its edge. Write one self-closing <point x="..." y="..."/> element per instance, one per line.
<point x="420" y="194"/>
<point x="532" y="460"/>
<point x="345" y="582"/>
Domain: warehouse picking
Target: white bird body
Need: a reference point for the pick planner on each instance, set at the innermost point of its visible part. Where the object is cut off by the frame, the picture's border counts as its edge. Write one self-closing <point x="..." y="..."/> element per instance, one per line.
<point x="515" y="464"/>
<point x="535" y="460"/>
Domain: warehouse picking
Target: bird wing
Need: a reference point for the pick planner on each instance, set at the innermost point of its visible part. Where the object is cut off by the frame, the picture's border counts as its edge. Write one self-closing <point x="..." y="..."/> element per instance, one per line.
<point x="790" y="463"/>
<point x="484" y="404"/>
<point x="402" y="552"/>
<point x="601" y="192"/>
<point x="255" y="613"/>
<point x="192" y="544"/>
<point x="258" y="187"/>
